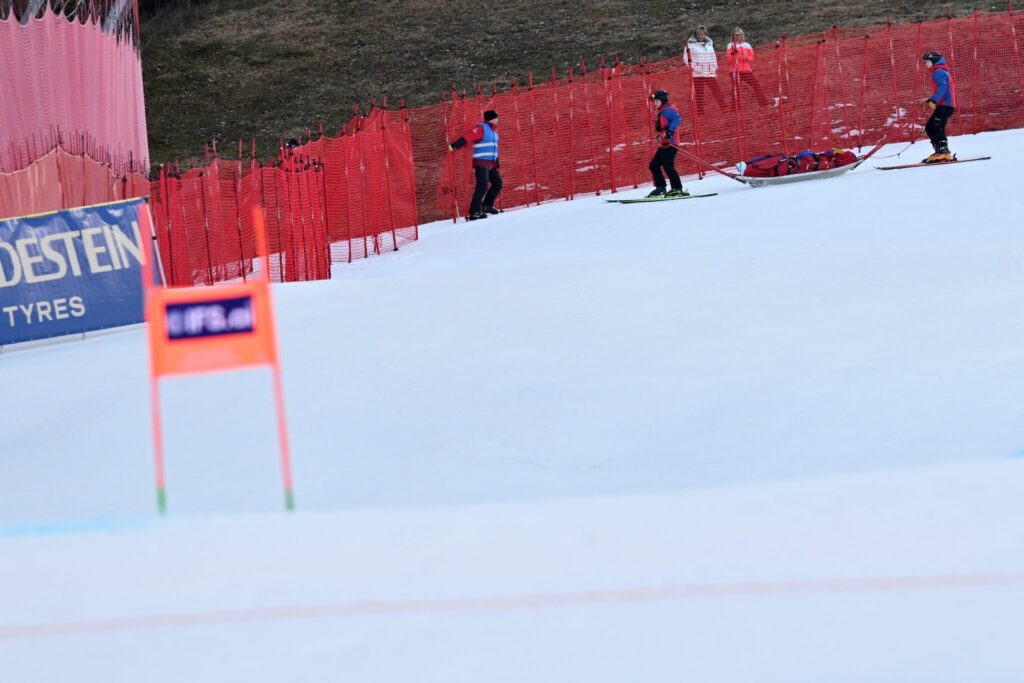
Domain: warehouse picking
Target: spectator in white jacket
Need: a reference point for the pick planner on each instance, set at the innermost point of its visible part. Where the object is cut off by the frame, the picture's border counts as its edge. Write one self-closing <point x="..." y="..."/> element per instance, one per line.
<point x="703" y="62"/>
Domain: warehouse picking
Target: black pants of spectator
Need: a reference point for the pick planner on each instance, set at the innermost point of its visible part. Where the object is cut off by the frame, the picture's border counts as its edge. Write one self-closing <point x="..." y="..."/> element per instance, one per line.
<point x="751" y="80"/>
<point x="936" y="126"/>
<point x="701" y="86"/>
<point x="488" y="185"/>
<point x="665" y="160"/>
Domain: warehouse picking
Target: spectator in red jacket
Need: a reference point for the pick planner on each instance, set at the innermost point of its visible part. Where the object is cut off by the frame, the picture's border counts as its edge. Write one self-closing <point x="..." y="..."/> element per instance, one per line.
<point x="741" y="67"/>
<point x="484" y="138"/>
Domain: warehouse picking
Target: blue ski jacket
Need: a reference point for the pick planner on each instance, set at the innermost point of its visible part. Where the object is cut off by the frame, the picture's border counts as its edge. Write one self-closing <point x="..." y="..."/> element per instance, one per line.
<point x="943" y="84"/>
<point x="668" y="121"/>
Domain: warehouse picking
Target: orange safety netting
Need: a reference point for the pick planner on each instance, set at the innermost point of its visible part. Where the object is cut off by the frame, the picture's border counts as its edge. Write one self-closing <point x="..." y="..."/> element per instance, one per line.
<point x="204" y="223"/>
<point x="331" y="199"/>
<point x="60" y="180"/>
<point x="370" y="184"/>
<point x="71" y="82"/>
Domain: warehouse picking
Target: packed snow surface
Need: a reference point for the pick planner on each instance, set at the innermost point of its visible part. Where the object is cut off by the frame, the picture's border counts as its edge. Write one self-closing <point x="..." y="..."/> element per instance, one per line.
<point x="772" y="435"/>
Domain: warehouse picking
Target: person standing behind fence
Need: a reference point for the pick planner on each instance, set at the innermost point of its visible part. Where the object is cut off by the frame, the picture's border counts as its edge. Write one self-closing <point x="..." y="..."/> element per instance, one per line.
<point x="666" y="124"/>
<point x="741" y="67"/>
<point x="288" y="158"/>
<point x="484" y="138"/>
<point x="703" y="62"/>
<point x="942" y="106"/>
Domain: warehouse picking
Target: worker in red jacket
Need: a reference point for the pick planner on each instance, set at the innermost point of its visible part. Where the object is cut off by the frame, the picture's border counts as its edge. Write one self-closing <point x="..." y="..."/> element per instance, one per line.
<point x="484" y="138"/>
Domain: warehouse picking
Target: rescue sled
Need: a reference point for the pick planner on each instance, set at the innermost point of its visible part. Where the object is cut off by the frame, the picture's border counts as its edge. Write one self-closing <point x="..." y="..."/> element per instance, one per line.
<point x="798" y="177"/>
<point x="752" y="181"/>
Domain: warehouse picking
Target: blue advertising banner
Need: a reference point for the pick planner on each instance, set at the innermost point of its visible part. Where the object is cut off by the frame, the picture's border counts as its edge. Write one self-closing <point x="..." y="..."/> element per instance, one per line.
<point x="71" y="271"/>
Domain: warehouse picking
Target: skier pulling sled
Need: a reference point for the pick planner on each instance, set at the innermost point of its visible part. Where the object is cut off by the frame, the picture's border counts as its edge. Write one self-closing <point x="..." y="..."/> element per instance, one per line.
<point x="941" y="106"/>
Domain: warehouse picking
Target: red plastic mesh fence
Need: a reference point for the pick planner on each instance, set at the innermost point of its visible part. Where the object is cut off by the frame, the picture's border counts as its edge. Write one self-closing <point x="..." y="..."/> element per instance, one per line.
<point x="205" y="230"/>
<point x="370" y="184"/>
<point x="331" y="199"/>
<point x="71" y="77"/>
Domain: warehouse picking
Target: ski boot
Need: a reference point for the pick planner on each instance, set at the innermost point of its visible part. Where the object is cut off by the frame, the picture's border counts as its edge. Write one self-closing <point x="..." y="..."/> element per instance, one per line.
<point x="657" y="192"/>
<point x="677" y="193"/>
<point x="938" y="158"/>
<point x="475" y="216"/>
<point x="491" y="210"/>
<point x="941" y="154"/>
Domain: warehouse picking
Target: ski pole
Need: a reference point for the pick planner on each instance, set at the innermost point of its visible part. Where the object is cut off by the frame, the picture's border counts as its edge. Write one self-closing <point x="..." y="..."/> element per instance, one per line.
<point x="694" y="157"/>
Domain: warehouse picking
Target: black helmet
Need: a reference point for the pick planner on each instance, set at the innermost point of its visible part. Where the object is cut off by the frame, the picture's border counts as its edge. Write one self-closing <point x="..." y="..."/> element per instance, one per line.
<point x="932" y="57"/>
<point x="661" y="95"/>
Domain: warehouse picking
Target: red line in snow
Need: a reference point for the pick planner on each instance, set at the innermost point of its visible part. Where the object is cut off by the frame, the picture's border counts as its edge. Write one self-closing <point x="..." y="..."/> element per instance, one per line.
<point x="511" y="602"/>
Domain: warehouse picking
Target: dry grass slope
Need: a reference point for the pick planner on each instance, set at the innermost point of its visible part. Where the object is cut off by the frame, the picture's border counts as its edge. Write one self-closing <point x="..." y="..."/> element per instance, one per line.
<point x="255" y="68"/>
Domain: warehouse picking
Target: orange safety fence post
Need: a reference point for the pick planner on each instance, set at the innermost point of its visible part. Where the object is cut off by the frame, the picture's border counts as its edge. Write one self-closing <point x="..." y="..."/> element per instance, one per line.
<point x="844" y="105"/>
<point x="895" y="83"/>
<point x="572" y="157"/>
<point x="387" y="180"/>
<point x="358" y="139"/>
<point x="533" y="141"/>
<point x="648" y="90"/>
<point x="688" y="63"/>
<point x="238" y="213"/>
<point x="814" y="92"/>
<point x="590" y="128"/>
<point x="558" y="126"/>
<point x="629" y="153"/>
<point x="515" y="113"/>
<point x="952" y="61"/>
<point x="206" y="226"/>
<point x="823" y="67"/>
<point x="608" y="94"/>
<point x="863" y="93"/>
<point x="788" y="145"/>
<point x="410" y="167"/>
<point x="974" y="74"/>
<point x="1016" y="51"/>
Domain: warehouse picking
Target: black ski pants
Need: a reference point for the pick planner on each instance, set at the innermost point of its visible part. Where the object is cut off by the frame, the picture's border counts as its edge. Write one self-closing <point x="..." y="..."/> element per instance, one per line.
<point x="665" y="160"/>
<point x="936" y="126"/>
<point x="483" y="194"/>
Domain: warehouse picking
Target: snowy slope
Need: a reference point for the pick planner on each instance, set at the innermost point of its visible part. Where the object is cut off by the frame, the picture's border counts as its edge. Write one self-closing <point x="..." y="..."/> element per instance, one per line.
<point x="774" y="435"/>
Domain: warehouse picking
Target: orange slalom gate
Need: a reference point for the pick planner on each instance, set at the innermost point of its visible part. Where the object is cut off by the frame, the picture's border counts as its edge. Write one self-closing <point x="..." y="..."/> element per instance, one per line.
<point x="198" y="330"/>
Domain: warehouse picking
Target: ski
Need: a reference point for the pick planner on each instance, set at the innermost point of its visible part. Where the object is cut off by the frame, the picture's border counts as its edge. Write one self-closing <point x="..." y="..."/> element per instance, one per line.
<point x="641" y="200"/>
<point x="937" y="163"/>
